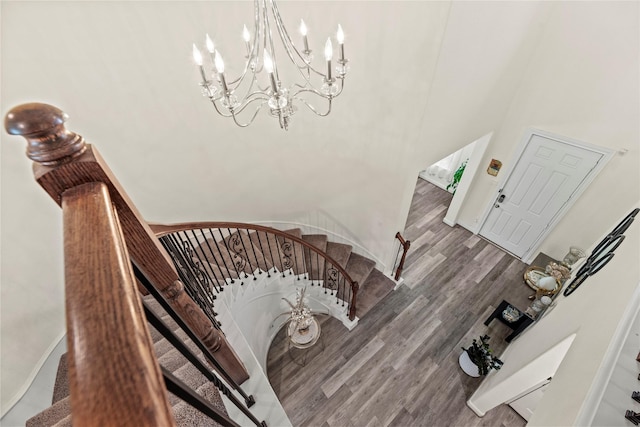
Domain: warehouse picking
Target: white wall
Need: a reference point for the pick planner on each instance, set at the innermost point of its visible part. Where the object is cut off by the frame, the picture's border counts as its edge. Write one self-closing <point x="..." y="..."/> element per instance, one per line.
<point x="123" y="72"/>
<point x="426" y="78"/>
<point x="581" y="82"/>
<point x="592" y="313"/>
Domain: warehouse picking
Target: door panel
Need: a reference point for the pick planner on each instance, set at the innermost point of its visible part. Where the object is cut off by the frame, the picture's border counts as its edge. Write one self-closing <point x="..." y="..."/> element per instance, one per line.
<point x="542" y="182"/>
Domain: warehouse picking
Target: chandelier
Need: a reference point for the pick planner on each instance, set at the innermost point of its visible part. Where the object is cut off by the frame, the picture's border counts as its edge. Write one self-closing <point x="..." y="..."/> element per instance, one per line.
<point x="258" y="85"/>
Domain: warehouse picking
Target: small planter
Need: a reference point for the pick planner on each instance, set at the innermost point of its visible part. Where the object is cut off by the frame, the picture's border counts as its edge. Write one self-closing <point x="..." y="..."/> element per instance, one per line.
<point x="467" y="365"/>
<point x="478" y="359"/>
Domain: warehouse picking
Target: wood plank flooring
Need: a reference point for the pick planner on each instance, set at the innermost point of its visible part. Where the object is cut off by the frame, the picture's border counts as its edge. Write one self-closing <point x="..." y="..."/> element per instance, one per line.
<point x="399" y="366"/>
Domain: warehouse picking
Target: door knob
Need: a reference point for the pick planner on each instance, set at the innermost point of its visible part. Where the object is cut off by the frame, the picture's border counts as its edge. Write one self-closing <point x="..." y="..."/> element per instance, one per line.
<point x="501" y="198"/>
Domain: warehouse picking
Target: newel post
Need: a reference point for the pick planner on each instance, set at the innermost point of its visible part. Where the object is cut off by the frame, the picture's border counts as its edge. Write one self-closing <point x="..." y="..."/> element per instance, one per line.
<point x="62" y="161"/>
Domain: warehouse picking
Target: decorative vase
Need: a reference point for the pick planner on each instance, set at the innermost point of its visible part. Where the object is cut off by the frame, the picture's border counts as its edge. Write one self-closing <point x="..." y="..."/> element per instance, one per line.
<point x="468" y="366"/>
<point x="573" y="256"/>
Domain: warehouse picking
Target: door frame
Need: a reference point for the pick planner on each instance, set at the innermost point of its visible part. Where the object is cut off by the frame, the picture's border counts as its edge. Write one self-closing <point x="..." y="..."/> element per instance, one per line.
<point x="530" y="132"/>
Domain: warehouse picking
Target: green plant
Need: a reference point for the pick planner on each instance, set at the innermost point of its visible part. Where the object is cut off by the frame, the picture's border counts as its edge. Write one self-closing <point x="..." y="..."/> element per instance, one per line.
<point x="481" y="355"/>
<point x="457" y="176"/>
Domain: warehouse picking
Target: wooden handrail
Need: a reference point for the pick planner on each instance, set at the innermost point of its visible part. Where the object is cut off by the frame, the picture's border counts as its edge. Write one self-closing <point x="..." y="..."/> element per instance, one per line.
<point x="63" y="161"/>
<point x="114" y="377"/>
<point x="405" y="248"/>
<point x="165" y="229"/>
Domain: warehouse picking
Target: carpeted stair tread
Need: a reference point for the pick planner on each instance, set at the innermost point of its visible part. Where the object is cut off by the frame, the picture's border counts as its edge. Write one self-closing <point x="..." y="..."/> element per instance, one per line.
<point x="65" y="422"/>
<point x="172" y="360"/>
<point x="191" y="376"/>
<point x="315" y="263"/>
<point x="339" y="252"/>
<point x="162" y="347"/>
<point x="270" y="248"/>
<point x="377" y="287"/>
<point x="240" y="243"/>
<point x="52" y="414"/>
<point x="220" y="259"/>
<point x="188" y="416"/>
<point x="61" y="385"/>
<point x="293" y="251"/>
<point x="359" y="268"/>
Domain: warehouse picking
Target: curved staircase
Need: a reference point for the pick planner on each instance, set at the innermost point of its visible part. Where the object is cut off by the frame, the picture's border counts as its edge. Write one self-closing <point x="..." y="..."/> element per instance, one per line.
<point x="240" y="275"/>
<point x="214" y="256"/>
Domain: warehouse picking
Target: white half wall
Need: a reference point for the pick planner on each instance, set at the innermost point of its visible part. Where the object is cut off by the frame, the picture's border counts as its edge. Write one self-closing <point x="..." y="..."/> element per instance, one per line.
<point x="592" y="313"/>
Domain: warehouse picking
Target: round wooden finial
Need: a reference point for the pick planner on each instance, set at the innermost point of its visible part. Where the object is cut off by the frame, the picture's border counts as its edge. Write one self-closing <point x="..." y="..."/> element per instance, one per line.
<point x="42" y="125"/>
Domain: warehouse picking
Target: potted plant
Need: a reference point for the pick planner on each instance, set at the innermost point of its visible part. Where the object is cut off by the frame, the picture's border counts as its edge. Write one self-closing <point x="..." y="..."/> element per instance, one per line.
<point x="478" y="359"/>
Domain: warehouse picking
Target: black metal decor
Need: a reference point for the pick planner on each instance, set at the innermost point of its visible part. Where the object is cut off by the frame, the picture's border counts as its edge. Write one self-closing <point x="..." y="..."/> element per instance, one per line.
<point x="602" y="254"/>
<point x="634" y="417"/>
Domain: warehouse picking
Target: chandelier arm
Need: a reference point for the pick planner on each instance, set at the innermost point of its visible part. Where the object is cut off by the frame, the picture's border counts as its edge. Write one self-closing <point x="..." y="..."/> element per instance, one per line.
<point x="253" y="55"/>
<point x="290" y="48"/>
<point x="241" y="109"/>
<point x="250" y="101"/>
<point x="315" y="91"/>
<point x="218" y="110"/>
<point x="316" y="111"/>
<point x="311" y="90"/>
<point x="255" y="113"/>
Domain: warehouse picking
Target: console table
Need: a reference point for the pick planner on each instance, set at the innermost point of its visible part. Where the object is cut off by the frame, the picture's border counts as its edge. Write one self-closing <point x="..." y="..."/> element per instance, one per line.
<point x="518" y="325"/>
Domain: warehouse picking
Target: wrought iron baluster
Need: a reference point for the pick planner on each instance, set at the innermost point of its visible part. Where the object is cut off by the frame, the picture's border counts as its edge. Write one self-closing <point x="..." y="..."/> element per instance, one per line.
<point x="243" y="261"/>
<point x="184" y="391"/>
<point x="286" y="255"/>
<point x="213" y="238"/>
<point x="217" y="283"/>
<point x="295" y="260"/>
<point x="199" y="264"/>
<point x="255" y="256"/>
<point x="142" y="278"/>
<point x="186" y="274"/>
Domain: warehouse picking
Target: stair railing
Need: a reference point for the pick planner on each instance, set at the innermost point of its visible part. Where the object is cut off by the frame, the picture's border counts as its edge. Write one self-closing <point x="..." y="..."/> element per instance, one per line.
<point x="63" y="160"/>
<point x="211" y="255"/>
<point x="107" y="337"/>
<point x="404" y="247"/>
<point x="105" y="322"/>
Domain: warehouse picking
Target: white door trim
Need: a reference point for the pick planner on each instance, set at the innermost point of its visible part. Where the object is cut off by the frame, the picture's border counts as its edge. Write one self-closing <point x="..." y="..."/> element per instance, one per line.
<point x="607" y="154"/>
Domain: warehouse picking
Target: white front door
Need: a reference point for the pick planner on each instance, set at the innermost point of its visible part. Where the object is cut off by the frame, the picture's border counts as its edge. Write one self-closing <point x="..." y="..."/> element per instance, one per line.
<point x="543" y="180"/>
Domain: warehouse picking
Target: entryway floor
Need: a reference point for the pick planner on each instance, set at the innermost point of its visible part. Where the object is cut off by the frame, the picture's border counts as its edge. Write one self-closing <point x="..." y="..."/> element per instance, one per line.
<point x="399" y="366"/>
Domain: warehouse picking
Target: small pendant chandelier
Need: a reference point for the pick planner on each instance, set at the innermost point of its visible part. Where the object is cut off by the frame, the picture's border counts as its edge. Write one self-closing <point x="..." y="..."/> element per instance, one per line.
<point x="259" y="84"/>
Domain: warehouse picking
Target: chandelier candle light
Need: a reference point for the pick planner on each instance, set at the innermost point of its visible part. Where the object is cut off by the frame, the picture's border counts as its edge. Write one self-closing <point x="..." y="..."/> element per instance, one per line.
<point x="259" y="83"/>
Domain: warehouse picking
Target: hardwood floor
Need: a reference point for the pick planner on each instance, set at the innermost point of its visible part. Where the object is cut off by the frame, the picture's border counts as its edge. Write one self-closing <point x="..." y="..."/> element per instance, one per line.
<point x="399" y="366"/>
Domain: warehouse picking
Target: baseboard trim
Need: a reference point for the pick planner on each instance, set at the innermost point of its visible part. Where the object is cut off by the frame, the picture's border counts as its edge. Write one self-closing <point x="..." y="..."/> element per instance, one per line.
<point x="449" y="222"/>
<point x="475" y="409"/>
